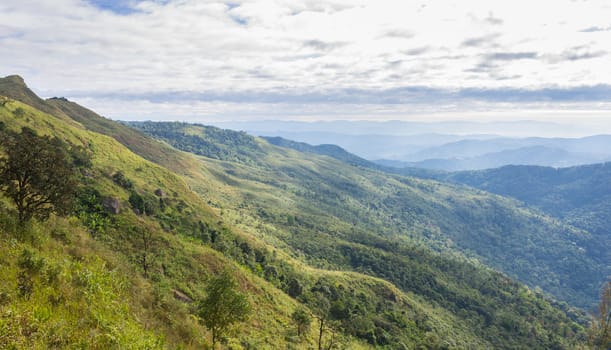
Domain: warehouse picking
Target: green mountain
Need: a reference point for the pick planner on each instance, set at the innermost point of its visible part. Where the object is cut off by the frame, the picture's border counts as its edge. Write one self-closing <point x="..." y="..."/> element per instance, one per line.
<point x="497" y="231"/>
<point x="580" y="196"/>
<point x="386" y="261"/>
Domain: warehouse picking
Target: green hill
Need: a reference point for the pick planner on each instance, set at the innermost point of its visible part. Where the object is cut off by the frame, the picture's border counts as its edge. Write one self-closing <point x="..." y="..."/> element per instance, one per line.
<point x="581" y="195"/>
<point x="296" y="230"/>
<point x="355" y="202"/>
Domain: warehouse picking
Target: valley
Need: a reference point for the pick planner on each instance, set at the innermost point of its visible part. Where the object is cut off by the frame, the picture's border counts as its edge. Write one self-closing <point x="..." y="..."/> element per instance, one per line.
<point x="379" y="259"/>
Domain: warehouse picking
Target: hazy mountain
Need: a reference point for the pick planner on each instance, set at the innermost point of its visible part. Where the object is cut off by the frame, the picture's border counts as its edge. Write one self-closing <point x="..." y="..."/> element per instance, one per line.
<point x="589" y="149"/>
<point x="444" y="145"/>
<point x="531" y="155"/>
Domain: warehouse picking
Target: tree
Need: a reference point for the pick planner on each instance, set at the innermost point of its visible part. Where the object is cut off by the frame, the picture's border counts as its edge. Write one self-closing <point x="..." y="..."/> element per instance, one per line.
<point x="321" y="311"/>
<point x="302" y="319"/>
<point x="223" y="306"/>
<point x="38" y="174"/>
<point x="600" y="330"/>
<point x="148" y="245"/>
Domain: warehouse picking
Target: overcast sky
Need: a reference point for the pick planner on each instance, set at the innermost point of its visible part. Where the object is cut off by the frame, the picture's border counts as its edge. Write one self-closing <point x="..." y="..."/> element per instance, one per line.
<point x="310" y="60"/>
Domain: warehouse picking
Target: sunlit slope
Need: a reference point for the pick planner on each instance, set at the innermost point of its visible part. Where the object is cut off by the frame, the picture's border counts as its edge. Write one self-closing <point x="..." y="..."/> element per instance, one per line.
<point x="152" y="308"/>
<point x="280" y="243"/>
<point x="334" y="216"/>
<point x="129" y="310"/>
<point x="306" y="196"/>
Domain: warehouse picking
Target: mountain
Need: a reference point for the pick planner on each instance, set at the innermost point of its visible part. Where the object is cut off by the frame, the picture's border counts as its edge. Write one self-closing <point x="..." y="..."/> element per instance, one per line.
<point x="13" y="86"/>
<point x="402" y="128"/>
<point x="332" y="151"/>
<point x="341" y="154"/>
<point x="579" y="195"/>
<point x="493" y="153"/>
<point x="387" y="261"/>
<point x="448" y="218"/>
<point x="534" y="155"/>
<point x="469" y="148"/>
<point x="448" y="146"/>
<point x="371" y="146"/>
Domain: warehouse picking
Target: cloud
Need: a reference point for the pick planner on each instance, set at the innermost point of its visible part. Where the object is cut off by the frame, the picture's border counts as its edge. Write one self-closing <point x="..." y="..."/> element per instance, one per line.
<point x="404" y="95"/>
<point x="483" y="67"/>
<point x="122" y="7"/>
<point x="321" y="45"/>
<point x="511" y="56"/>
<point x="398" y="33"/>
<point x="495" y="21"/>
<point x="480" y="41"/>
<point x="346" y="51"/>
<point x="572" y="55"/>
<point x="576" y="53"/>
<point x="596" y="29"/>
<point x="417" y="51"/>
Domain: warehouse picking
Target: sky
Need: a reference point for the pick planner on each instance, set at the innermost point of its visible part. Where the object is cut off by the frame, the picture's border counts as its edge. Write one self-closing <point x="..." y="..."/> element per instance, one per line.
<point x="200" y="60"/>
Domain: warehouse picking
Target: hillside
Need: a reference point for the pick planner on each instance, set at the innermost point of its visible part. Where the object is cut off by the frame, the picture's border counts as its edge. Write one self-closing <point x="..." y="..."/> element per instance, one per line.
<point x="96" y="258"/>
<point x="578" y="195"/>
<point x="355" y="201"/>
<point x="295" y="229"/>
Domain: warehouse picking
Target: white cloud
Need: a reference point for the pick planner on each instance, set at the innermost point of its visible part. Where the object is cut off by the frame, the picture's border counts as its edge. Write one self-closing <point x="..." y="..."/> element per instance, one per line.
<point x="72" y="48"/>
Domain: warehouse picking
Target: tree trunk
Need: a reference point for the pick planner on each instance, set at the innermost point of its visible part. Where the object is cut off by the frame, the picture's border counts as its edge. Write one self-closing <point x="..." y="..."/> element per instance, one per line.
<point x="322" y="325"/>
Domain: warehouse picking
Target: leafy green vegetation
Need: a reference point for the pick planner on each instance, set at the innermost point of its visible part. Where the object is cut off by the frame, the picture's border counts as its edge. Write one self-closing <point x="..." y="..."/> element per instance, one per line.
<point x="318" y="199"/>
<point x="38" y="174"/>
<point x="348" y="247"/>
<point x="314" y="207"/>
<point x="153" y="301"/>
<point x="222" y="306"/>
<point x="207" y="141"/>
<point x="580" y="196"/>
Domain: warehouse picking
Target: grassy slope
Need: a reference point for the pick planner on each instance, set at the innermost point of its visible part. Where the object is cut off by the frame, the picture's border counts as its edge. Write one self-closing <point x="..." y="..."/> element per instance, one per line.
<point x="126" y="303"/>
<point x="14" y="87"/>
<point x="439" y="323"/>
<point x="102" y="292"/>
<point x="345" y="200"/>
<point x="334" y="216"/>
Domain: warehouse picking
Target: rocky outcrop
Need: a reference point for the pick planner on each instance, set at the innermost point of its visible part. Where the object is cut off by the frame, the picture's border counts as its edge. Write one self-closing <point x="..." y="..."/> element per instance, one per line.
<point x="112" y="205"/>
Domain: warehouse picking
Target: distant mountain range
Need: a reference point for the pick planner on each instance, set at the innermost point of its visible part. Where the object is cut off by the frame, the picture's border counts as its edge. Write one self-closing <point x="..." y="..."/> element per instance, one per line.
<point x="486" y="154"/>
<point x="448" y="146"/>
